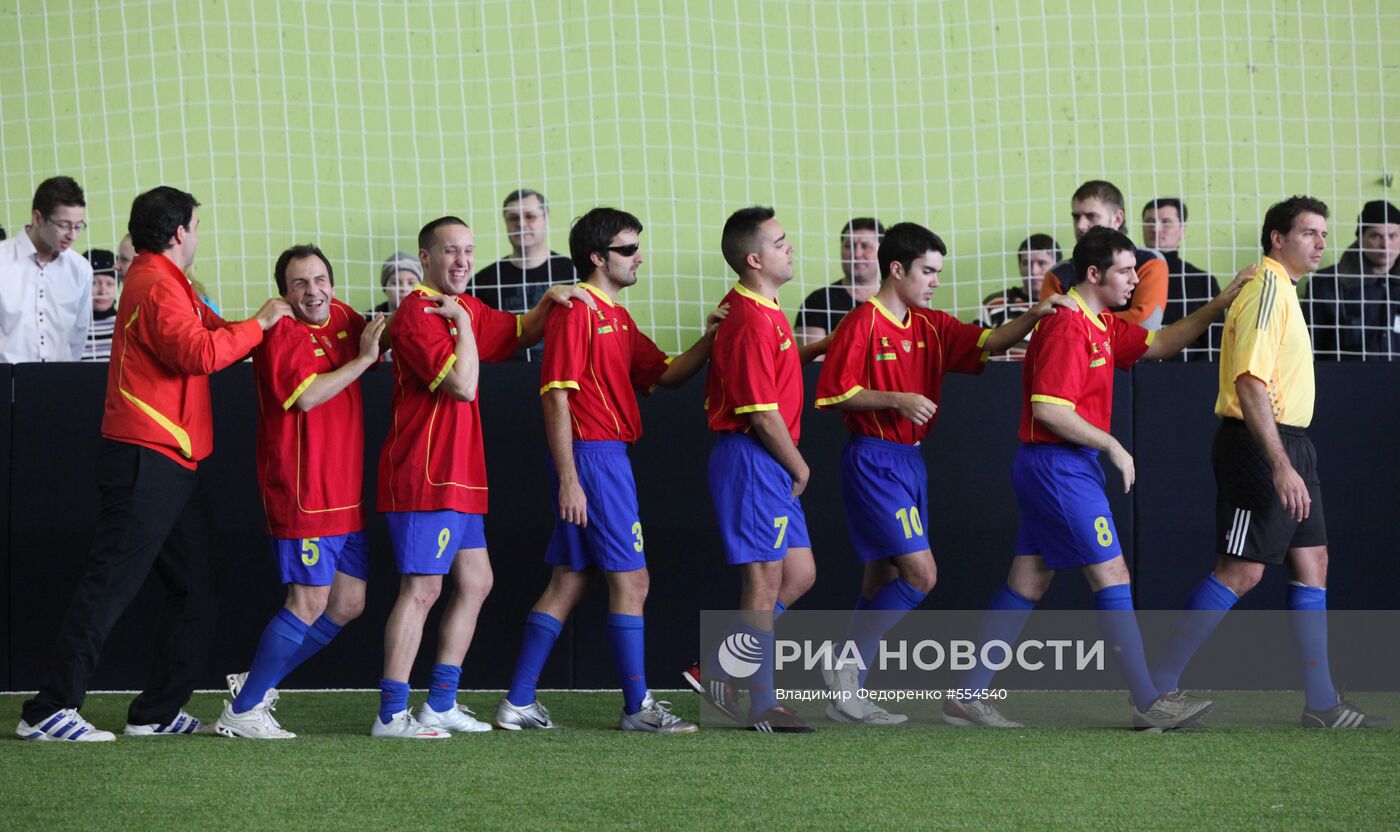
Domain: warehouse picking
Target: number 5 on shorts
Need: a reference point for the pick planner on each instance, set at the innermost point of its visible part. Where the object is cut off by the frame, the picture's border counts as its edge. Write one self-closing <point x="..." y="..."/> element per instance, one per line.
<point x="310" y="550"/>
<point x="780" y="523"/>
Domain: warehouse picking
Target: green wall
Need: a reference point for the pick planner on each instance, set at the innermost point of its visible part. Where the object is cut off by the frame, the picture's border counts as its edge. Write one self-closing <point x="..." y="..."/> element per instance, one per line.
<point x="350" y="123"/>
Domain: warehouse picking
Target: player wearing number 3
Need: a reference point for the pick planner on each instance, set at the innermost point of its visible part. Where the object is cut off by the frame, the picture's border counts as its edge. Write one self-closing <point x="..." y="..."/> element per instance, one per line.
<point x="432" y="471"/>
<point x="310" y="455"/>
<point x="884" y="372"/>
<point x="1067" y="387"/>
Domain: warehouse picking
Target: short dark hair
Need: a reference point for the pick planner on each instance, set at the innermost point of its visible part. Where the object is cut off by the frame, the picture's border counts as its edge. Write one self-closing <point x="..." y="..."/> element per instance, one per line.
<point x="1041" y="242"/>
<point x="594" y="232"/>
<point x="1375" y="212"/>
<point x="1097" y="248"/>
<point x="525" y="193"/>
<point x="425" y="237"/>
<point x="56" y="191"/>
<point x="738" y="240"/>
<point x="279" y="272"/>
<point x="1167" y="202"/>
<point x="906" y="242"/>
<point x="1105" y="192"/>
<point x="1281" y="215"/>
<point x="156" y="214"/>
<point x="3" y="236"/>
<point x="863" y="224"/>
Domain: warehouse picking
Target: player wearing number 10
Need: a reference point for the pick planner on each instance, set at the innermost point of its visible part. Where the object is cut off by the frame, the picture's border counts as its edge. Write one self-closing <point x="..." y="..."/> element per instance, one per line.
<point x="595" y="362"/>
<point x="432" y="471"/>
<point x="1067" y="384"/>
<point x="310" y="457"/>
<point x="884" y="372"/>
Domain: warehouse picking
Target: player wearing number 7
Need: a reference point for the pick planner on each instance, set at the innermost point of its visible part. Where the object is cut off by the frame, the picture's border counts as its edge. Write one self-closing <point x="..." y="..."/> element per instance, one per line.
<point x="432" y="472"/>
<point x="1067" y="388"/>
<point x="310" y="456"/>
<point x="884" y="372"/>
<point x="595" y="362"/>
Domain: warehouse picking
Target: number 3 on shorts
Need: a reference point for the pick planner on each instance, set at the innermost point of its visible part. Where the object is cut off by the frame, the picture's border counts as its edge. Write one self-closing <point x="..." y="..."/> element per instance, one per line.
<point x="444" y="537"/>
<point x="1105" y="533"/>
<point x="780" y="523"/>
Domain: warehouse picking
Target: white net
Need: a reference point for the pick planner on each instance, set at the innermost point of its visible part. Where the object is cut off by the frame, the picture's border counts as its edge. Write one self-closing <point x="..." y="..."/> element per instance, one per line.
<point x="349" y="123"/>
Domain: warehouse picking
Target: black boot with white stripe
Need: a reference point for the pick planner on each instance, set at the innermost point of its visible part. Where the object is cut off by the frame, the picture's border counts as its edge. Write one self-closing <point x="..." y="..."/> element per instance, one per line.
<point x="1345" y="715"/>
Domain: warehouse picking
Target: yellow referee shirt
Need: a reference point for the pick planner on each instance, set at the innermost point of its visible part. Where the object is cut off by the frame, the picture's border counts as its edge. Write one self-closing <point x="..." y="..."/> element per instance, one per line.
<point x="1266" y="337"/>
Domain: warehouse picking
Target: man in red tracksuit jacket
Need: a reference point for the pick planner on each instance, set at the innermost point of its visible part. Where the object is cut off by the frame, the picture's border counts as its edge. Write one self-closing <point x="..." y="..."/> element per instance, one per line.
<point x="156" y="427"/>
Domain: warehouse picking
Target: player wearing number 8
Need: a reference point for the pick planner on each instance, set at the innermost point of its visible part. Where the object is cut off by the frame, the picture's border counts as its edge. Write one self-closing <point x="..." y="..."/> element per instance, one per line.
<point x="595" y="363"/>
<point x="310" y="456"/>
<point x="1067" y="387"/>
<point x="884" y="372"/>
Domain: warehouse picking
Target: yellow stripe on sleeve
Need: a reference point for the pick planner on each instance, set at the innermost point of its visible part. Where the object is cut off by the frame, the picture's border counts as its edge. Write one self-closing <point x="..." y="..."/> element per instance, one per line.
<point x="446" y="368"/>
<point x="296" y="394"/>
<point x="754" y="408"/>
<point x="982" y="339"/>
<point x="559" y="385"/>
<point x="827" y="402"/>
<point x="1053" y="400"/>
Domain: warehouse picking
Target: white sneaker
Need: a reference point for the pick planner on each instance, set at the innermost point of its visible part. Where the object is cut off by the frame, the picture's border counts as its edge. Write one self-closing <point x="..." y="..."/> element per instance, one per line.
<point x="655" y="718"/>
<point x="183" y="724"/>
<point x="235" y="686"/>
<point x="255" y="724"/>
<point x="64" y="726"/>
<point x="459" y="720"/>
<point x="853" y="707"/>
<point x="404" y="726"/>
<point x="975" y="713"/>
<point x="515" y="718"/>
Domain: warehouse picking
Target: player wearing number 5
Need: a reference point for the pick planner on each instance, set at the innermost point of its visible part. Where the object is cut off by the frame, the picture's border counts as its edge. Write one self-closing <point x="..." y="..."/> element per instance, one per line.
<point x="884" y="372"/>
<point x="310" y="457"/>
<point x="432" y="471"/>
<point x="595" y="362"/>
<point x="1067" y="387"/>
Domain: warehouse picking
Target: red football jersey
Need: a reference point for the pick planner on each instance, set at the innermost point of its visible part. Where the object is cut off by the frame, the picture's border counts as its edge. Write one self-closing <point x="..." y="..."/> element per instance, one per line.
<point x="310" y="465"/>
<point x="754" y="365"/>
<point x="604" y="359"/>
<point x="1071" y="360"/>
<point x="433" y="457"/>
<point x="872" y="350"/>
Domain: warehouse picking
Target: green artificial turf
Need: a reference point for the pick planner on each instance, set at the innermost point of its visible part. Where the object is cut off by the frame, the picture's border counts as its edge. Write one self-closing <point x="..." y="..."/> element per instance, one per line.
<point x="1264" y="771"/>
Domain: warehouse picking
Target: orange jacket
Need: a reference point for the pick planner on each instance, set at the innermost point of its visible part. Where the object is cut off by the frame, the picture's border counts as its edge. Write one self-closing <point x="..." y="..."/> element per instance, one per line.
<point x="1149" y="301"/>
<point x="165" y="344"/>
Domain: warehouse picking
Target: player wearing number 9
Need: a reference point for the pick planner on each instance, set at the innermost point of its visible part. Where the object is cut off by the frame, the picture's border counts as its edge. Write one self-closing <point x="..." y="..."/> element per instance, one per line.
<point x="595" y="363"/>
<point x="1067" y="387"/>
<point x="884" y="372"/>
<point x="432" y="472"/>
<point x="310" y="454"/>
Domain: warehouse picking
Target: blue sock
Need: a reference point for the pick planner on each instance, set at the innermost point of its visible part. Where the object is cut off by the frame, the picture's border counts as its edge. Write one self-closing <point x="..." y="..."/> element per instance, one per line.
<point x="629" y="652"/>
<point x="284" y="634"/>
<point x="885" y="610"/>
<point x="393" y="697"/>
<point x="322" y="632"/>
<point x="1308" y="614"/>
<point x="1120" y="627"/>
<point x="541" y="631"/>
<point x="778" y="609"/>
<point x="1006" y="615"/>
<point x="442" y="693"/>
<point x="761" y="694"/>
<point x="1205" y="609"/>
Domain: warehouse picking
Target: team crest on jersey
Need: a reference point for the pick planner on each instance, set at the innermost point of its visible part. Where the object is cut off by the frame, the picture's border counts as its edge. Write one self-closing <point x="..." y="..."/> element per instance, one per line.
<point x="908" y="345"/>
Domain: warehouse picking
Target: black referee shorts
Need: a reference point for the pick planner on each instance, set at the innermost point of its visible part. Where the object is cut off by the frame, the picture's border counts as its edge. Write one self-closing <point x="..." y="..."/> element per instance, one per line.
<point x="1250" y="522"/>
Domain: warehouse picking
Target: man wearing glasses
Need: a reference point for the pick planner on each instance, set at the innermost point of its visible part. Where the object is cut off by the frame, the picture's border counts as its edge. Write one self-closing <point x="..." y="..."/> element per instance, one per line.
<point x="45" y="286"/>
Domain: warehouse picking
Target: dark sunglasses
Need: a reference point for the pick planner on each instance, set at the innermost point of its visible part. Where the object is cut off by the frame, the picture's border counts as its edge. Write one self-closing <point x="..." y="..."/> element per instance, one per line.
<point x="627" y="250"/>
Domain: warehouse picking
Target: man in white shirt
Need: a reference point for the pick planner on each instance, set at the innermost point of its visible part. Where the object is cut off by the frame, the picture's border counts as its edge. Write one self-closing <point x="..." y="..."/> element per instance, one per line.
<point x="45" y="286"/>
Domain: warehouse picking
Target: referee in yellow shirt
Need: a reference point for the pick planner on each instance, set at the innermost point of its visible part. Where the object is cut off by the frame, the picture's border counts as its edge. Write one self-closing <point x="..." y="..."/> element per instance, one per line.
<point x="1268" y="503"/>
